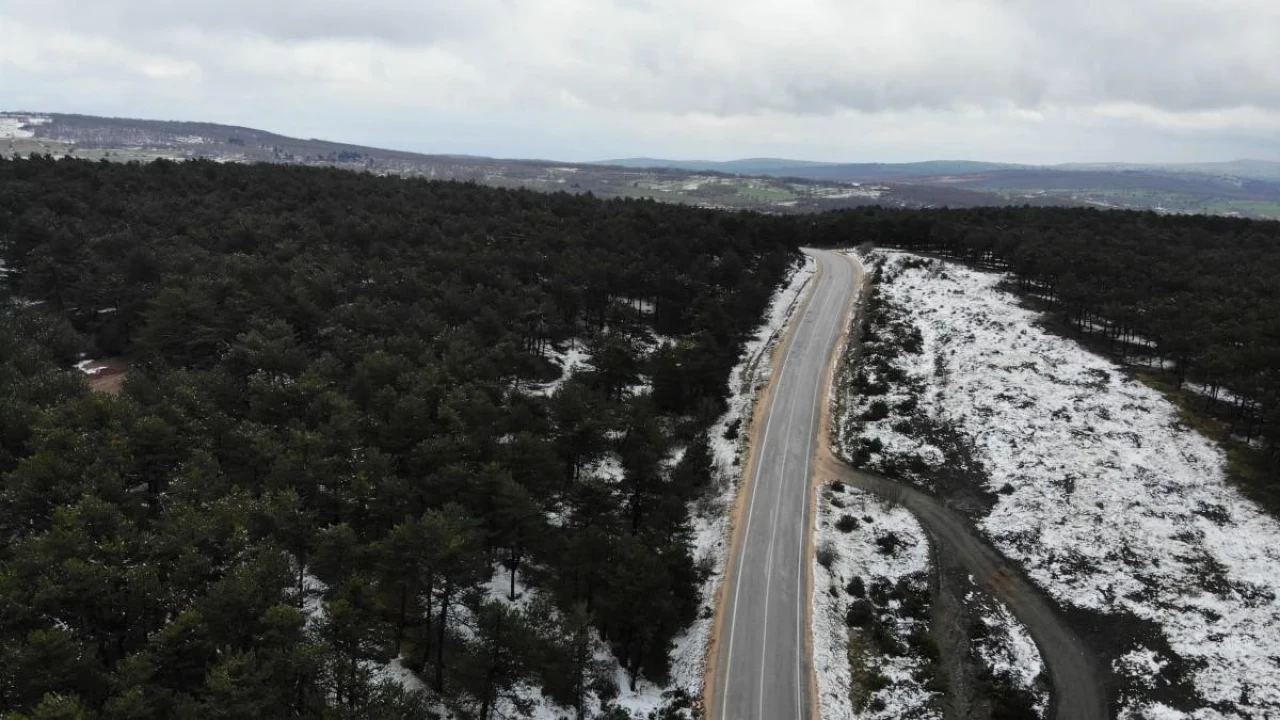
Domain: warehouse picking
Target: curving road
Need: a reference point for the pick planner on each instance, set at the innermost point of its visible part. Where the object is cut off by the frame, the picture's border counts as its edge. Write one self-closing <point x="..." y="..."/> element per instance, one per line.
<point x="761" y="667"/>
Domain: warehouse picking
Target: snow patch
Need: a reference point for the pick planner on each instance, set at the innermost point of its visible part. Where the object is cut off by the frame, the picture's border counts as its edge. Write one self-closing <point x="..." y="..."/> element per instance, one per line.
<point x="574" y="359"/>
<point x="90" y="367"/>
<point x="884" y="544"/>
<point x="1010" y="653"/>
<point x="15" y="128"/>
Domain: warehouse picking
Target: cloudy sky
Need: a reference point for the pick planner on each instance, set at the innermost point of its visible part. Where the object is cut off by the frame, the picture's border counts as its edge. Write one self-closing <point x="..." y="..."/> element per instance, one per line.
<point x="850" y="80"/>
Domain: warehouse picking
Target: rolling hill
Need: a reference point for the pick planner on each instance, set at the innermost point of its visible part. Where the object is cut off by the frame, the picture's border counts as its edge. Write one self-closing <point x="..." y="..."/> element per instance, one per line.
<point x="1249" y="188"/>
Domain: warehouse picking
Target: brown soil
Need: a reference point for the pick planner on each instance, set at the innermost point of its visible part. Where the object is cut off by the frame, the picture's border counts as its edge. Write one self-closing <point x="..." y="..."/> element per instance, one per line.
<point x="108" y="375"/>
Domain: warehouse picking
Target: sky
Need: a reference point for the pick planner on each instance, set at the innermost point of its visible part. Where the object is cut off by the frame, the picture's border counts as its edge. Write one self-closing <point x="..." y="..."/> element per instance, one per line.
<point x="1036" y="81"/>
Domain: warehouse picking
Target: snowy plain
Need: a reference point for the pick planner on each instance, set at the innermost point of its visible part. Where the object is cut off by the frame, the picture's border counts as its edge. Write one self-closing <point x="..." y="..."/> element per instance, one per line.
<point x="1107" y="500"/>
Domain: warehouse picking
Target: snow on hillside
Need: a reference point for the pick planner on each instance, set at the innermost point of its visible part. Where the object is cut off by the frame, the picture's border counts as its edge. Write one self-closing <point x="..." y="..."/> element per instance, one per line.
<point x="876" y="546"/>
<point x="15" y="127"/>
<point x="1108" y="501"/>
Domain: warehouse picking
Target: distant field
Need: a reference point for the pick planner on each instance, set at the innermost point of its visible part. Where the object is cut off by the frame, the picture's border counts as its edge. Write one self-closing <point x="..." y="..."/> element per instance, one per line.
<point x="1142" y="199"/>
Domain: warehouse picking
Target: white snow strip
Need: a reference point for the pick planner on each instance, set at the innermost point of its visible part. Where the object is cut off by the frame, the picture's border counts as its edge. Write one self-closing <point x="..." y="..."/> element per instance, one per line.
<point x="1010" y="653"/>
<point x="90" y="367"/>
<point x="313" y="590"/>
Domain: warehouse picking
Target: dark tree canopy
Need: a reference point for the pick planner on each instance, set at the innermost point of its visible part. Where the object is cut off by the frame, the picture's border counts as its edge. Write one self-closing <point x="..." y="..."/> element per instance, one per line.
<point x="338" y="382"/>
<point x="342" y="438"/>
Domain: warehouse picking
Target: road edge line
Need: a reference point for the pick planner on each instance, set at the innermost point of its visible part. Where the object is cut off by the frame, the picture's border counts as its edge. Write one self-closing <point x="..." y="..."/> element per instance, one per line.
<point x="821" y="453"/>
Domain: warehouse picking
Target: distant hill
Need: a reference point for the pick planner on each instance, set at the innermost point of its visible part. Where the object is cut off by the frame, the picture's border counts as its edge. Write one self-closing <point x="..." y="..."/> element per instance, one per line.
<point x="1248" y="188"/>
<point x="888" y="172"/>
<point x="125" y="139"/>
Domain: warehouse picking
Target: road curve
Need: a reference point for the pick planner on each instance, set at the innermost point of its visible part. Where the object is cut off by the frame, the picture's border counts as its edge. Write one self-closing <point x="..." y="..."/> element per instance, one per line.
<point x="1078" y="690"/>
<point x="761" y="666"/>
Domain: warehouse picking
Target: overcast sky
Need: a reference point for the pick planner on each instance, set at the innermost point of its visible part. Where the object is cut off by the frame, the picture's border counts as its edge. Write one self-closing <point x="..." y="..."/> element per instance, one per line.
<point x="849" y="80"/>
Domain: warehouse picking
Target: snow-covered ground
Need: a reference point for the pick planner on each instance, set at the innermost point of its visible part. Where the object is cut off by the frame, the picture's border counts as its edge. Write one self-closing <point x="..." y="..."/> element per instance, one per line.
<point x="1107" y="500"/>
<point x="710" y="518"/>
<point x="572" y="359"/>
<point x="639" y="704"/>
<point x="878" y="555"/>
<point x="1008" y="652"/>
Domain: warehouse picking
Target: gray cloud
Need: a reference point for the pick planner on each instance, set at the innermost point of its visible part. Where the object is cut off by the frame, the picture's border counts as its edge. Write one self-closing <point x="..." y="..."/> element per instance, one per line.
<point x="752" y="73"/>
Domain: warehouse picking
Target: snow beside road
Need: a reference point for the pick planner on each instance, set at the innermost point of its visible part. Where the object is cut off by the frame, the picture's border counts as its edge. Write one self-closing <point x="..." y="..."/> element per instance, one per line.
<point x="886" y="546"/>
<point x="1107" y="500"/>
<point x="710" y="518"/>
<point x="1011" y="655"/>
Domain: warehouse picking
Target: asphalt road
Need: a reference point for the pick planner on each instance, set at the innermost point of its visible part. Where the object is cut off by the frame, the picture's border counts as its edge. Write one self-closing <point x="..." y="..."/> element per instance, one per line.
<point x="762" y="665"/>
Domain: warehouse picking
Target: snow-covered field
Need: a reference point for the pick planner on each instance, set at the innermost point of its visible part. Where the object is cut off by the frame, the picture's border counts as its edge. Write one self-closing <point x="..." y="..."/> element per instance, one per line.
<point x="1107" y="500"/>
<point x="877" y="547"/>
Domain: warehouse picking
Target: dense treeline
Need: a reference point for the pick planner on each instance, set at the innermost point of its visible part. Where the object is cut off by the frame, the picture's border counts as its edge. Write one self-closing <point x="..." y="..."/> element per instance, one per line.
<point x="342" y="440"/>
<point x="336" y="444"/>
<point x="1198" y="296"/>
